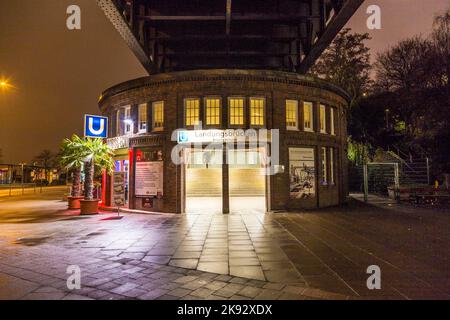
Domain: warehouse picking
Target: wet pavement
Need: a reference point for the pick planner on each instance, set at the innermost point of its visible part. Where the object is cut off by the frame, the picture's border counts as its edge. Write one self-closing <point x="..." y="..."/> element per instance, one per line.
<point x="317" y="254"/>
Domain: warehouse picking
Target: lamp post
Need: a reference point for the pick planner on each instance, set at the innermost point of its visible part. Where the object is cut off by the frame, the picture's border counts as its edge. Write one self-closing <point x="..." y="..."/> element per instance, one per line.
<point x="22" y="182"/>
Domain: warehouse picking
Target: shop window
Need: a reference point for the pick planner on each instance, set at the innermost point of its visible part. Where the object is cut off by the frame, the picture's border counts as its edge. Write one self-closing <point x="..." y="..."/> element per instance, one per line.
<point x="212" y="111"/>
<point x="322" y="118"/>
<point x="257" y="111"/>
<point x="332" y="128"/>
<point x="308" y="116"/>
<point x="324" y="166"/>
<point x="191" y="112"/>
<point x="291" y="114"/>
<point x="128" y="121"/>
<point x="158" y="115"/>
<point x="331" y="165"/>
<point x="142" y="118"/>
<point x="236" y="111"/>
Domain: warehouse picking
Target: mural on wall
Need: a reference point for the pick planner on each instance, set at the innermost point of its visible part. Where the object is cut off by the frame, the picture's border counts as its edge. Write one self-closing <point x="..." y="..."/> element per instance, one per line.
<point x="302" y="173"/>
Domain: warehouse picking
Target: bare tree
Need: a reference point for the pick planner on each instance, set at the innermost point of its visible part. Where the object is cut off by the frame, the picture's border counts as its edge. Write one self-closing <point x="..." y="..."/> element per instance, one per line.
<point x="415" y="73"/>
<point x="346" y="63"/>
<point x="403" y="67"/>
<point x="441" y="43"/>
<point x="47" y="160"/>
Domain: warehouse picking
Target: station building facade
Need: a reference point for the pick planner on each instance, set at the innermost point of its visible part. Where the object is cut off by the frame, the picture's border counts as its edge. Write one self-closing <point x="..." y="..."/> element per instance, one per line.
<point x="309" y="117"/>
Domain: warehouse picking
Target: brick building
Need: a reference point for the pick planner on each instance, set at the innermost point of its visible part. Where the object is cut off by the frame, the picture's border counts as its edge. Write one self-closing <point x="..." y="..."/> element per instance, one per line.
<point x="182" y="135"/>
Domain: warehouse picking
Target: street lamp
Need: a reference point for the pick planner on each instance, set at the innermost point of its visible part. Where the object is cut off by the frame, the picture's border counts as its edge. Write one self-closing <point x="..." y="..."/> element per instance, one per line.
<point x="22" y="164"/>
<point x="4" y="84"/>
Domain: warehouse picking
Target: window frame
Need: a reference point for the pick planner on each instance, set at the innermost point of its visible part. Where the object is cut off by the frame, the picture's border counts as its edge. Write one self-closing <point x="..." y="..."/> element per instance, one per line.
<point x="322" y="108"/>
<point x="324" y="160"/>
<point x="205" y="99"/>
<point x="288" y="127"/>
<point x="332" y="179"/>
<point x="118" y="131"/>
<point x="199" y="120"/>
<point x="311" y="118"/>
<point x="250" y="111"/>
<point x="244" y="112"/>
<point x="128" y="126"/>
<point x="154" y="127"/>
<point x="332" y="121"/>
<point x="140" y="120"/>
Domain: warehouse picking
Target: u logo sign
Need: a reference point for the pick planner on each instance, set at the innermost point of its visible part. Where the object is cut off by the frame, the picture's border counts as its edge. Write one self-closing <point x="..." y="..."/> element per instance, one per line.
<point x="101" y="125"/>
<point x="182" y="136"/>
<point x="95" y="126"/>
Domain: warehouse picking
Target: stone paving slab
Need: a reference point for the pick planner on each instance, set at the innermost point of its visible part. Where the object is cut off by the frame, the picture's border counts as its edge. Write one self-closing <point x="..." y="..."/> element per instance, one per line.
<point x="311" y="255"/>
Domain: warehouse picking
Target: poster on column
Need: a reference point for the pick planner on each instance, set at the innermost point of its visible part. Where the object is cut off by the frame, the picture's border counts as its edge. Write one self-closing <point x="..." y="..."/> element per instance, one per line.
<point x="302" y="173"/>
<point x="119" y="189"/>
<point x="149" y="179"/>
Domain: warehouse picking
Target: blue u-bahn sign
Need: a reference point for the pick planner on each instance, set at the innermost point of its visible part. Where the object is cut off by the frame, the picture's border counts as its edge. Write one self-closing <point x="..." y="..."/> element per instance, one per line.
<point x="95" y="126"/>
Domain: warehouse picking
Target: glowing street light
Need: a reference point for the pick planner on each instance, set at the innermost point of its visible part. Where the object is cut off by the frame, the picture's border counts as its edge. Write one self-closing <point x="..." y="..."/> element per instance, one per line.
<point x="4" y="84"/>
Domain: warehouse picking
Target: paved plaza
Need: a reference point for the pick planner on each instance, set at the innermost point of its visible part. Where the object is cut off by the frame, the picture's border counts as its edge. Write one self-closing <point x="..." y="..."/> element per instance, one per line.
<point x="307" y="255"/>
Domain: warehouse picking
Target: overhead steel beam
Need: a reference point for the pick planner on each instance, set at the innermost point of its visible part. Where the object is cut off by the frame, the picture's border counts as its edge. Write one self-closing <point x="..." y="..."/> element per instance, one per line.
<point x="228" y="18"/>
<point x="346" y="11"/>
<point x="236" y="17"/>
<point x="222" y="37"/>
<point x="224" y="53"/>
<point x="122" y="26"/>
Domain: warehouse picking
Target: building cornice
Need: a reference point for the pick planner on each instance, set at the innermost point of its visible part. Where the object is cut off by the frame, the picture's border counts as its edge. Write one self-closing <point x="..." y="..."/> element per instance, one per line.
<point x="222" y="75"/>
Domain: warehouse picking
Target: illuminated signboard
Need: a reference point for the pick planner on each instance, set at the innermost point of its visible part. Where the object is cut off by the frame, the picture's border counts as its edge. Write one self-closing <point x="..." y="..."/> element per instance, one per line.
<point x="214" y="135"/>
<point x="95" y="126"/>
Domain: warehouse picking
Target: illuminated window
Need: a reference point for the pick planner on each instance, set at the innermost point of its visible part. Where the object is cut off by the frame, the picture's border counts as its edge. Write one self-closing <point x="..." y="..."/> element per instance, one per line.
<point x="212" y="111"/>
<point x="128" y="121"/>
<point x="331" y="165"/>
<point x="118" y="123"/>
<point x="158" y="115"/>
<point x="308" y="116"/>
<point x="291" y="115"/>
<point x="236" y="110"/>
<point x="322" y="118"/>
<point x="257" y="111"/>
<point x="191" y="112"/>
<point x="142" y="118"/>
<point x="332" y="129"/>
<point x="324" y="165"/>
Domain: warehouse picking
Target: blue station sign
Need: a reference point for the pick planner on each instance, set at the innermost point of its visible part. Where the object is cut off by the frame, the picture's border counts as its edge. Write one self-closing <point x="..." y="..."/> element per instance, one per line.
<point x="95" y="126"/>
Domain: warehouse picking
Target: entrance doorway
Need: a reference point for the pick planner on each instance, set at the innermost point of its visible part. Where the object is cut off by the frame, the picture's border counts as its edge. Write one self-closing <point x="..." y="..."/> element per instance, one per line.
<point x="203" y="181"/>
<point x="247" y="181"/>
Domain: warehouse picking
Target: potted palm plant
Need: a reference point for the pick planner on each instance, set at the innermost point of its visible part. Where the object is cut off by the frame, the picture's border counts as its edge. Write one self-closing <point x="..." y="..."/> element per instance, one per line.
<point x="95" y="154"/>
<point x="72" y="159"/>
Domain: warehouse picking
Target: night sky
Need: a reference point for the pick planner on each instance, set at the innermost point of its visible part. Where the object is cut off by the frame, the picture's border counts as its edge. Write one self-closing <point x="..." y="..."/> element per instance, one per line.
<point x="59" y="74"/>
